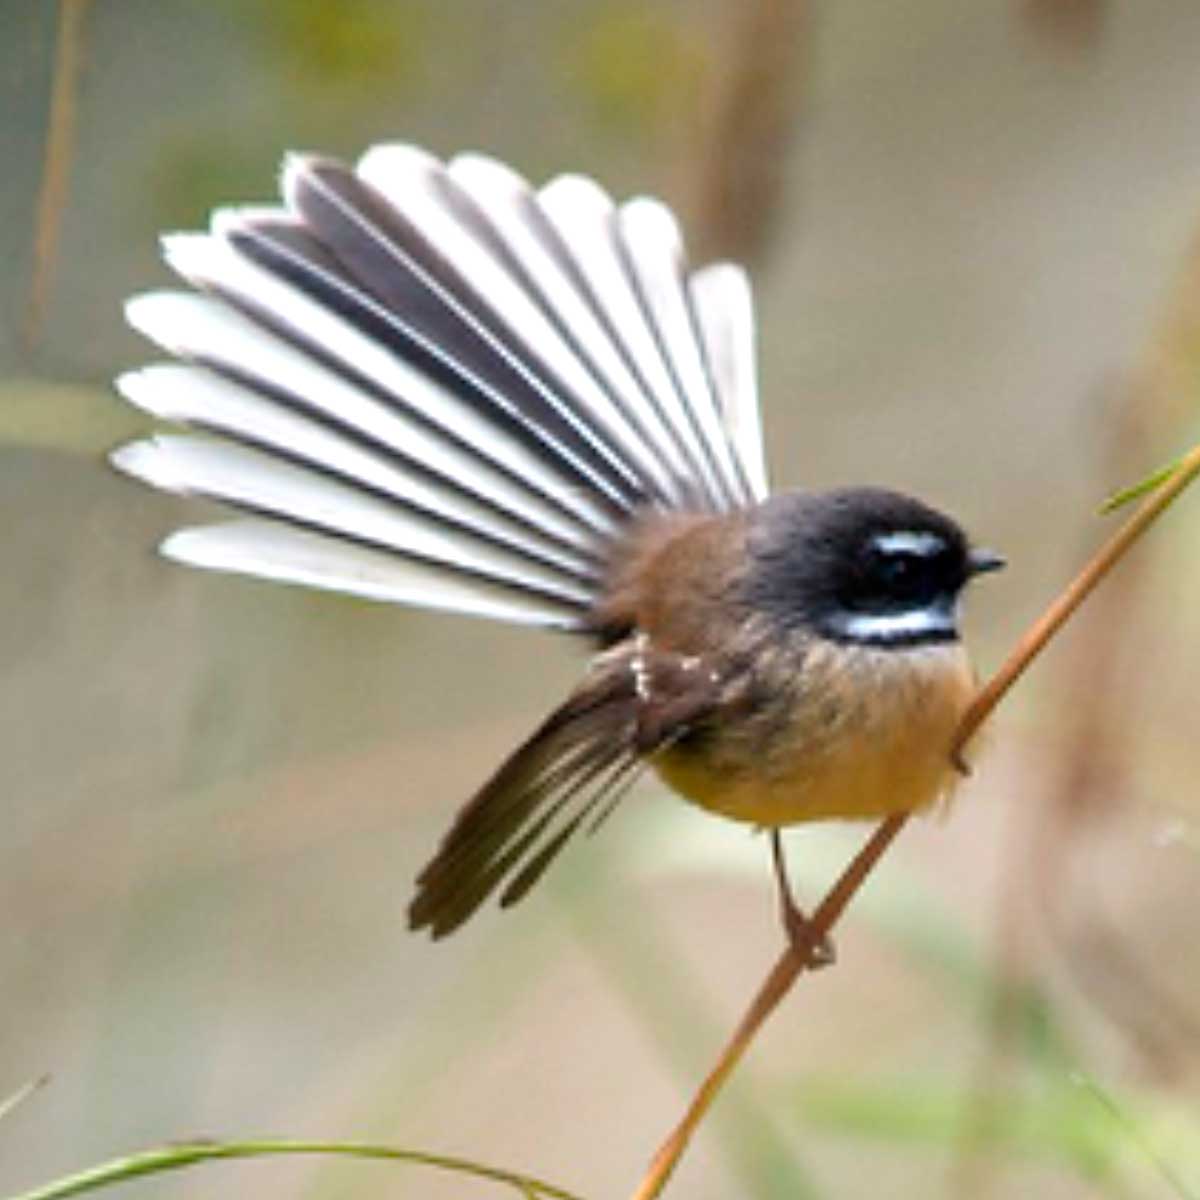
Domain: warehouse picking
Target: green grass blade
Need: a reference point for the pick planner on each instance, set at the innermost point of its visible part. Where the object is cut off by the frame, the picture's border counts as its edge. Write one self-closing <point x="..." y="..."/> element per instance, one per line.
<point x="188" y="1154"/>
<point x="1136" y="491"/>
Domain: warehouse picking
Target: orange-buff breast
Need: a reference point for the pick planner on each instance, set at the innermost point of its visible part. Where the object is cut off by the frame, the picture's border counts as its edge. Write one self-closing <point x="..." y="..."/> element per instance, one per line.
<point x="860" y="732"/>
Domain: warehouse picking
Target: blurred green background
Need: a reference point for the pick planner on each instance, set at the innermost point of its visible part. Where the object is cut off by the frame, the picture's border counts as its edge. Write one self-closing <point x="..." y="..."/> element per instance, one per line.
<point x="974" y="233"/>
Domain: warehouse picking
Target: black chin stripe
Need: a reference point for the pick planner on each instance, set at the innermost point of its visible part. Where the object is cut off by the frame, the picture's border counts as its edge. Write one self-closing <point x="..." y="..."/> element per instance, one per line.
<point x="896" y="640"/>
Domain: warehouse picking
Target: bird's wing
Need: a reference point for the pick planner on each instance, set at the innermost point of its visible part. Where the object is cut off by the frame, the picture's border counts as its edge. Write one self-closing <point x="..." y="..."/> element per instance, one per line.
<point x="433" y="384"/>
<point x="568" y="776"/>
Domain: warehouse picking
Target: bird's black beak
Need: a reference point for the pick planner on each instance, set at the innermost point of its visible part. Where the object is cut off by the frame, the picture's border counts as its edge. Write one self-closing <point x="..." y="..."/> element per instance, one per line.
<point x="980" y="561"/>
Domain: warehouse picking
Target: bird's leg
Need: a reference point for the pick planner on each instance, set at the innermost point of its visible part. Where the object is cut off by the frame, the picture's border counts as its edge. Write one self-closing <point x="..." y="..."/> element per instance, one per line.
<point x="796" y="923"/>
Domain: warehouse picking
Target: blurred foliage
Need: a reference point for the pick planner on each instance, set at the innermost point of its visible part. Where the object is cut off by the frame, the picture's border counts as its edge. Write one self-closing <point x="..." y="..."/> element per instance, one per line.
<point x="633" y="66"/>
<point x="321" y="58"/>
<point x="747" y="130"/>
<point x="1075" y="25"/>
<point x="195" y="170"/>
<point x="1064" y="1121"/>
<point x="353" y="47"/>
<point x="36" y="413"/>
<point x="1059" y="1117"/>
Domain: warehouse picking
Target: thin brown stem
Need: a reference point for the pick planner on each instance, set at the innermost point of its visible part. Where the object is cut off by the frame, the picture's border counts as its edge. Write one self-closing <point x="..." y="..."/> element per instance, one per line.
<point x="56" y="162"/>
<point x="793" y="961"/>
<point x="778" y="983"/>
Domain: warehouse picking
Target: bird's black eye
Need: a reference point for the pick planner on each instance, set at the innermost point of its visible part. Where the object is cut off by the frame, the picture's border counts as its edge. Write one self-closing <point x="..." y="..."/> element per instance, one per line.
<point x="899" y="571"/>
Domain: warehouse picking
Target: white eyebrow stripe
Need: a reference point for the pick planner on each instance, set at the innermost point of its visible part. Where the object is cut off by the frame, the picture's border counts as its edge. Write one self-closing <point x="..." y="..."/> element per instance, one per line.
<point x="909" y="541"/>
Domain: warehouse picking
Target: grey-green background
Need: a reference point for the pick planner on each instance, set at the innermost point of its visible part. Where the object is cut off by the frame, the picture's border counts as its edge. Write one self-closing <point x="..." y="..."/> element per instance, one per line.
<point x="215" y="793"/>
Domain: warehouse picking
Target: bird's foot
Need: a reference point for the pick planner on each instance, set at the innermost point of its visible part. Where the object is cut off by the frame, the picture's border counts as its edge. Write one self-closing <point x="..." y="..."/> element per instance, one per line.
<point x="816" y="951"/>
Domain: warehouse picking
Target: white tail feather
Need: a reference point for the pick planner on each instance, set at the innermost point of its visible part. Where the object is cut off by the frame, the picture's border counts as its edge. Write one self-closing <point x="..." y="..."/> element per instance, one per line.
<point x="267" y="550"/>
<point x="266" y="485"/>
<point x="724" y="307"/>
<point x="656" y="259"/>
<point x="584" y="218"/>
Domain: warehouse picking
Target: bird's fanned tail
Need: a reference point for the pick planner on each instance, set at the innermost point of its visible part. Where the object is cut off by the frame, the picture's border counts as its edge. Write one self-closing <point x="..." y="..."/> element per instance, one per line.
<point x="434" y="385"/>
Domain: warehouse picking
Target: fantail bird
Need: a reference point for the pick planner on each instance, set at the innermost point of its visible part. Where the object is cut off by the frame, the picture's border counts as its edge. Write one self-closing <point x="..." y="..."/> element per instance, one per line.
<point x="434" y="385"/>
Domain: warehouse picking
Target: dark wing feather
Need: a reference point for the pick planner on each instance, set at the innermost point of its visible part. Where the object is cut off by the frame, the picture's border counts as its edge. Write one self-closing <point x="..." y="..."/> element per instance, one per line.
<point x="572" y="770"/>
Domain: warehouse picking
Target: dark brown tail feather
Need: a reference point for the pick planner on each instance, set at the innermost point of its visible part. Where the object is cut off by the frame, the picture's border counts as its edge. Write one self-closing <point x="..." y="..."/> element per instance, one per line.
<point x="569" y="775"/>
<point x="520" y="820"/>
